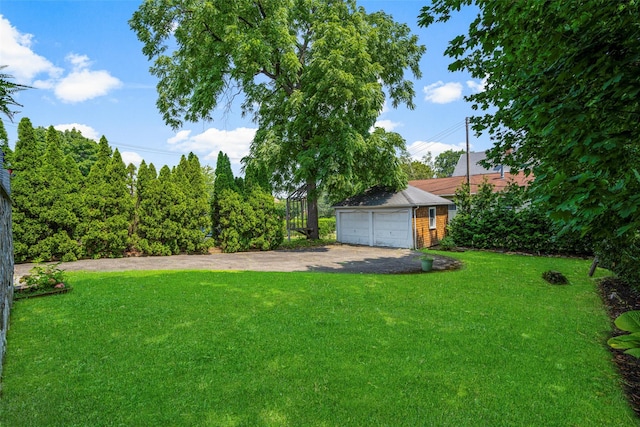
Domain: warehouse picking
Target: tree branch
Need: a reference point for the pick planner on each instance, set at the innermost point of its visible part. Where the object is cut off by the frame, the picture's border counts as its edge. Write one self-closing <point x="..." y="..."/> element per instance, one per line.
<point x="208" y="30"/>
<point x="260" y="8"/>
<point x="249" y="24"/>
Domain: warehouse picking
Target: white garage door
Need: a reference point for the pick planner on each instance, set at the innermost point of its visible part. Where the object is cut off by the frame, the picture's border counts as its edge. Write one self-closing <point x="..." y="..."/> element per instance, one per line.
<point x="377" y="228"/>
<point x="392" y="229"/>
<point x="354" y="228"/>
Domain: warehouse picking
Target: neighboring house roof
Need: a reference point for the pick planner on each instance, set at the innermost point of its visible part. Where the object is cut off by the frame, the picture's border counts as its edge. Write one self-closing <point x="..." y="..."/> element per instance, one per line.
<point x="475" y="168"/>
<point x="446" y="187"/>
<point x="381" y="198"/>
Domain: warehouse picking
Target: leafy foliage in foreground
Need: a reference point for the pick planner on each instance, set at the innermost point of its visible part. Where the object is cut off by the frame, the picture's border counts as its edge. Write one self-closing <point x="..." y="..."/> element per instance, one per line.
<point x="628" y="321"/>
<point x="562" y="90"/>
<point x="290" y="349"/>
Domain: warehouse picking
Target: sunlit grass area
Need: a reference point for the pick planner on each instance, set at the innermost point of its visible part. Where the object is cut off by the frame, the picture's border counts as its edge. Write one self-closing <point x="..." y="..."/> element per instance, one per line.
<point x="489" y="345"/>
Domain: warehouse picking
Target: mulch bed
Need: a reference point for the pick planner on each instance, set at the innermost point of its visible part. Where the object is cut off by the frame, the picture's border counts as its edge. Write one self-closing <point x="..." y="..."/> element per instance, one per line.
<point x="618" y="298"/>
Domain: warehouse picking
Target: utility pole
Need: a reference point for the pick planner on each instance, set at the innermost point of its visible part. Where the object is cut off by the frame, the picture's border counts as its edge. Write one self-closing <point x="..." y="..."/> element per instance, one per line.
<point x="466" y="122"/>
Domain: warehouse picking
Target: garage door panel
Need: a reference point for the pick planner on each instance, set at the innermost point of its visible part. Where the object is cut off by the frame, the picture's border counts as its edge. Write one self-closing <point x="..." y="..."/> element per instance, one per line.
<point x="354" y="228"/>
<point x="392" y="229"/>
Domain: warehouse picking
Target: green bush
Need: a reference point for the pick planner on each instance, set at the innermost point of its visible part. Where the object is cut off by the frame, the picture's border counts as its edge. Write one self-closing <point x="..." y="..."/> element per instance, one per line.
<point x="254" y="223"/>
<point x="447" y="243"/>
<point x="621" y="255"/>
<point x="43" y="277"/>
<point x="327" y="227"/>
<point x="510" y="221"/>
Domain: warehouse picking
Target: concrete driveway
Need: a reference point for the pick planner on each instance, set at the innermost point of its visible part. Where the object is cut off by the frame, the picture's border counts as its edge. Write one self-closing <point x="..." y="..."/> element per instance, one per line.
<point x="333" y="258"/>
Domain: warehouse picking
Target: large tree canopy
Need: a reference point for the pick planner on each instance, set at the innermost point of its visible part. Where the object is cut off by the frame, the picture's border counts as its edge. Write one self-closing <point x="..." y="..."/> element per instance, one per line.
<point x="563" y="91"/>
<point x="314" y="75"/>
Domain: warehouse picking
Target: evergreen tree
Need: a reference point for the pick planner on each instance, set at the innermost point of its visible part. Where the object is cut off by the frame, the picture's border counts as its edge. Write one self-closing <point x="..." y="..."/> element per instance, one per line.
<point x="224" y="181"/>
<point x="25" y="182"/>
<point x="108" y="206"/>
<point x="249" y="224"/>
<point x="149" y="216"/>
<point x="172" y="209"/>
<point x="256" y="174"/>
<point x="196" y="223"/>
<point x="82" y="149"/>
<point x="123" y="204"/>
<point x="56" y="200"/>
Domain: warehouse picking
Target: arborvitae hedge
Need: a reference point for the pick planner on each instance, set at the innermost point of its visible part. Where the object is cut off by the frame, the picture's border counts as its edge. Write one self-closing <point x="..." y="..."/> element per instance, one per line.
<point x="61" y="214"/>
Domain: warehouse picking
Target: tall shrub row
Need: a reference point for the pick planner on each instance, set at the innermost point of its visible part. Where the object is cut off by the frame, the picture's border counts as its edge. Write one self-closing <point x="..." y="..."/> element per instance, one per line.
<point x="508" y="220"/>
<point x="61" y="214"/>
<point x="244" y="214"/>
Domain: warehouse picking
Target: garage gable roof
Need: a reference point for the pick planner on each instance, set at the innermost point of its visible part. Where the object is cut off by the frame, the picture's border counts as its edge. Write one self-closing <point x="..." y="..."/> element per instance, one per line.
<point x="382" y="198"/>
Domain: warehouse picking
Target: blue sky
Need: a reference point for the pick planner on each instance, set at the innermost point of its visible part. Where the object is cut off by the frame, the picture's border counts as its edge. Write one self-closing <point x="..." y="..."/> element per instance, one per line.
<point x="88" y="72"/>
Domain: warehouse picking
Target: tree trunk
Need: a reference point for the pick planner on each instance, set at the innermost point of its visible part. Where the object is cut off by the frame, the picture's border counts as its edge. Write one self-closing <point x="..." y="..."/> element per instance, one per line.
<point x="312" y="210"/>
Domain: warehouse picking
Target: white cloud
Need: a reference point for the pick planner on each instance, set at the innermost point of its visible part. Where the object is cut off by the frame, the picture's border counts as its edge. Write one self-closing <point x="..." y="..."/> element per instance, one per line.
<point x="387" y="125"/>
<point x="22" y="63"/>
<point x="418" y="149"/>
<point x="27" y="67"/>
<point x="235" y="143"/>
<point x="477" y="86"/>
<point x="82" y="83"/>
<point x="183" y="135"/>
<point x="85" y="130"/>
<point x="443" y="93"/>
<point x="131" y="157"/>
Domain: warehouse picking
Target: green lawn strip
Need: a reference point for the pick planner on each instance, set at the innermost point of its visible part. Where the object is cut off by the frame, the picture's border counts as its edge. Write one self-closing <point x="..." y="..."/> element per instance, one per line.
<point x="491" y="344"/>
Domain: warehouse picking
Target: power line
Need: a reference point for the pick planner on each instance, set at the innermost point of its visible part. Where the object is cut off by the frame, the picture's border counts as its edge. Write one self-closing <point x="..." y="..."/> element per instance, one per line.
<point x="441" y="135"/>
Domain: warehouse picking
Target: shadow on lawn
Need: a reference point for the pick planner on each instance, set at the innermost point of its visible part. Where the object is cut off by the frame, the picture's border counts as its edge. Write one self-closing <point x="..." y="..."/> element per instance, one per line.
<point x="409" y="264"/>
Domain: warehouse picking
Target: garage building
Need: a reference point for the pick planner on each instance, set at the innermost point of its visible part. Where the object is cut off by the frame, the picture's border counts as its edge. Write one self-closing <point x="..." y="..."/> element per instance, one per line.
<point x="410" y="218"/>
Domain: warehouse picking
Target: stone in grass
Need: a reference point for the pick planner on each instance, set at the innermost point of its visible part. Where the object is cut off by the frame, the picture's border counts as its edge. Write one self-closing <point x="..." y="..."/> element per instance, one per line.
<point x="555" y="277"/>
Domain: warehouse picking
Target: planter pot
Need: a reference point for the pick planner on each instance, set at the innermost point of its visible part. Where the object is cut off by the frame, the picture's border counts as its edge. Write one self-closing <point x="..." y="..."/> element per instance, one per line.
<point x="427" y="264"/>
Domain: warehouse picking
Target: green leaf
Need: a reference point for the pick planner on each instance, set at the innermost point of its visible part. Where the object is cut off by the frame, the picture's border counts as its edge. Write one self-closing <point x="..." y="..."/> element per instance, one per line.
<point x="629" y="321"/>
<point x="623" y="342"/>
<point x="635" y="352"/>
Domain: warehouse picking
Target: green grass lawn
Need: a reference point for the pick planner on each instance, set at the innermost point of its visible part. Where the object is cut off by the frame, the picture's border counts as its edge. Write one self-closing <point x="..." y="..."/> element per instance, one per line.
<point x="489" y="345"/>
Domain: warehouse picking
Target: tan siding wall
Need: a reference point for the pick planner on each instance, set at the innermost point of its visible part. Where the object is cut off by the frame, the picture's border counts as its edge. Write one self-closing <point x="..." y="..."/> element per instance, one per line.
<point x="425" y="236"/>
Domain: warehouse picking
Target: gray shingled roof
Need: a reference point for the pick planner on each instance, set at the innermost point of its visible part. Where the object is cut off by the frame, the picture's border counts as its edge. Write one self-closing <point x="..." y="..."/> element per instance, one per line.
<point x="474" y="167"/>
<point x="381" y="198"/>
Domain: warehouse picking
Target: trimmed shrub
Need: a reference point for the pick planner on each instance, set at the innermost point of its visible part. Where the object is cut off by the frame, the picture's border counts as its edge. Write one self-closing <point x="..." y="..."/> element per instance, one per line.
<point x="510" y="221"/>
<point x="249" y="224"/>
<point x="327" y="227"/>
